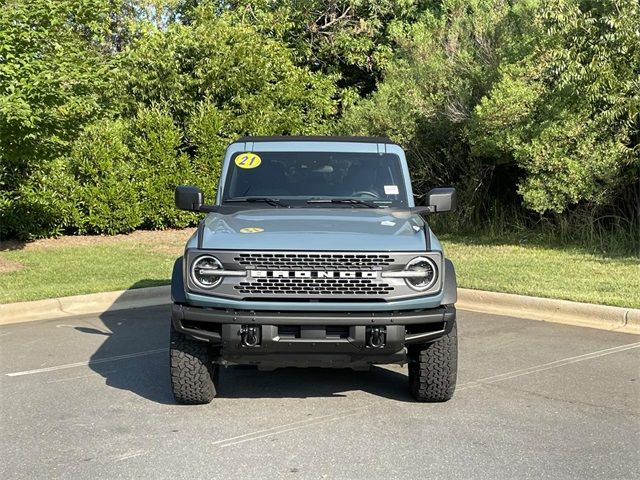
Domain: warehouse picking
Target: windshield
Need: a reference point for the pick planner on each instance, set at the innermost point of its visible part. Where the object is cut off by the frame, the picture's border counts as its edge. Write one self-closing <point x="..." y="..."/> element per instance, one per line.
<point x="295" y="178"/>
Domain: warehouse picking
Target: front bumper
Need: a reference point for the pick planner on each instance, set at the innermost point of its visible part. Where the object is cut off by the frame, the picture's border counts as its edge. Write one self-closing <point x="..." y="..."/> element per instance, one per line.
<point x="312" y="338"/>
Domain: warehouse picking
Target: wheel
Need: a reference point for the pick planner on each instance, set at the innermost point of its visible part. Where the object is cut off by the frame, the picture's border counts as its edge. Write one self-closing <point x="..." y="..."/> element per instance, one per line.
<point x="433" y="368"/>
<point x="194" y="377"/>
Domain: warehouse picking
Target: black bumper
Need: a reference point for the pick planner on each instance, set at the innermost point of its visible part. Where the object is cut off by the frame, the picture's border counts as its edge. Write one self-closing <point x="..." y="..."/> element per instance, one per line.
<point x="320" y="337"/>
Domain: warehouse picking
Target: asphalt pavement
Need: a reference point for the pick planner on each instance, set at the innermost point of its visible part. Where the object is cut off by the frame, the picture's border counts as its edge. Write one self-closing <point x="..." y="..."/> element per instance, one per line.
<point x="89" y="397"/>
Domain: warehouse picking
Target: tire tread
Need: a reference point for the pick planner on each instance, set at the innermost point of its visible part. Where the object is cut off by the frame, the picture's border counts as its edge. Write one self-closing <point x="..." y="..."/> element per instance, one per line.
<point x="193" y="375"/>
<point x="433" y="369"/>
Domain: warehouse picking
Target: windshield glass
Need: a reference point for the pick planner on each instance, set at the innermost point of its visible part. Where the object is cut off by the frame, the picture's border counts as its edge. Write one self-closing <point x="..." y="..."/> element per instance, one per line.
<point x="297" y="177"/>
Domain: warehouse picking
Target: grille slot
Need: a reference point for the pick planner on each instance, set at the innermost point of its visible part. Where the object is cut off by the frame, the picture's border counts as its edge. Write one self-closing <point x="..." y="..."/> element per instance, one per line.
<point x="337" y="331"/>
<point x="332" y="332"/>
<point x="314" y="261"/>
<point x="314" y="286"/>
<point x="289" y="331"/>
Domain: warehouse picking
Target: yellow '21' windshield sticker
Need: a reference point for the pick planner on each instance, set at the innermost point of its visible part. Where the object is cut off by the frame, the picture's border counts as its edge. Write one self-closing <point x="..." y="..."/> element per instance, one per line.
<point x="251" y="230"/>
<point x="248" y="160"/>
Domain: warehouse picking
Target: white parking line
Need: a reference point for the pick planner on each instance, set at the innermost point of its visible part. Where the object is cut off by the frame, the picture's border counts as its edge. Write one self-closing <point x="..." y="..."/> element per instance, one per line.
<point x="89" y="375"/>
<point x="133" y="454"/>
<point x="548" y="366"/>
<point x="287" y="427"/>
<point x="87" y="363"/>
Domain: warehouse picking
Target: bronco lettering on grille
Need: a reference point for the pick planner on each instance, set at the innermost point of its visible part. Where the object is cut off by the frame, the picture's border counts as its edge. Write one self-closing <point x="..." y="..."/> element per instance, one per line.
<point x="310" y="274"/>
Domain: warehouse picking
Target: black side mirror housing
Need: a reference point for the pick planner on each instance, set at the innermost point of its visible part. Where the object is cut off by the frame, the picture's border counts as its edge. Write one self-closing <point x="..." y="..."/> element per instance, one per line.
<point x="442" y="199"/>
<point x="189" y="198"/>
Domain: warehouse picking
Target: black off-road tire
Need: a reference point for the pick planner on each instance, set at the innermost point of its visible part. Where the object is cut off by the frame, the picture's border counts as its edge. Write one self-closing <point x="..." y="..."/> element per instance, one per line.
<point x="194" y="377"/>
<point x="433" y="368"/>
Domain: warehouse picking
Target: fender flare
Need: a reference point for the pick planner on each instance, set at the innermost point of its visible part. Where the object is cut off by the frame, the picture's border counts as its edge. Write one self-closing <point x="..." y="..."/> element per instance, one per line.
<point x="450" y="289"/>
<point x="177" y="282"/>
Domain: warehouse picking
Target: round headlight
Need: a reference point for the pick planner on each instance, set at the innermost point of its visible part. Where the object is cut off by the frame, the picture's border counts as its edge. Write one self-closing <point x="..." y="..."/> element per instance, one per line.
<point x="428" y="270"/>
<point x="203" y="271"/>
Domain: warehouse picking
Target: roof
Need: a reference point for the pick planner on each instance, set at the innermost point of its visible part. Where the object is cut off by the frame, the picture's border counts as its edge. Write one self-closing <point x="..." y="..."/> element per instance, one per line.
<point x="288" y="138"/>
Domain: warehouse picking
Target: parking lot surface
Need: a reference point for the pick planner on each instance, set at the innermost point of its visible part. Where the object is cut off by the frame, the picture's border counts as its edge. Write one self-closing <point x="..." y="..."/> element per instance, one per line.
<point x="89" y="397"/>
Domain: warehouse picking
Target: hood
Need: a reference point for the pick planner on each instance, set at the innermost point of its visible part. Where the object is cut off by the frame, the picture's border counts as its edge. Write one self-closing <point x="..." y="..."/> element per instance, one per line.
<point x="315" y="229"/>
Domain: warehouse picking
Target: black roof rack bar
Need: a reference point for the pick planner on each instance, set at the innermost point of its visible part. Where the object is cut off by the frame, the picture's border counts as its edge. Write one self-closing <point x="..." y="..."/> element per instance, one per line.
<point x="288" y="138"/>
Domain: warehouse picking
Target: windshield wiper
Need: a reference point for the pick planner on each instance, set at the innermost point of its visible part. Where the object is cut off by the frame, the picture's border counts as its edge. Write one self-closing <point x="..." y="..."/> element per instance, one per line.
<point x="351" y="201"/>
<point x="267" y="200"/>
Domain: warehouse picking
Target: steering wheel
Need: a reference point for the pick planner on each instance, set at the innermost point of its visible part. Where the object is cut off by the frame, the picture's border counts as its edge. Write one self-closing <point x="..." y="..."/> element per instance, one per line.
<point x="362" y="193"/>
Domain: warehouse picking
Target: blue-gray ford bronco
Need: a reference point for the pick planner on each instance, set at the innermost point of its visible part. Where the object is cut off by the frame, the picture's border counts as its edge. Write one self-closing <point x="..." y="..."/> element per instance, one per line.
<point x="313" y="255"/>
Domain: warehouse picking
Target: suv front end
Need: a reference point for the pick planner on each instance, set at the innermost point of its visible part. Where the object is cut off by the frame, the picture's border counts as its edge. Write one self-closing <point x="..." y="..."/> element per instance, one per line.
<point x="307" y="281"/>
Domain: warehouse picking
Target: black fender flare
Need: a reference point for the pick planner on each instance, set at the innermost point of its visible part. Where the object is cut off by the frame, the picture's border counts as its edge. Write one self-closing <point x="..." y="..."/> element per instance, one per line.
<point x="177" y="282"/>
<point x="450" y="288"/>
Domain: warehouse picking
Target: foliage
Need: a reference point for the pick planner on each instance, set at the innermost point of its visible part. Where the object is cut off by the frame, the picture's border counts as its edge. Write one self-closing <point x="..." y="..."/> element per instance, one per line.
<point x="531" y="103"/>
<point x="567" y="112"/>
<point x="530" y="108"/>
<point x="160" y="166"/>
<point x="104" y="191"/>
<point x="349" y="38"/>
<point x="179" y="93"/>
<point x="445" y="65"/>
<point x="54" y="78"/>
<point x="250" y="79"/>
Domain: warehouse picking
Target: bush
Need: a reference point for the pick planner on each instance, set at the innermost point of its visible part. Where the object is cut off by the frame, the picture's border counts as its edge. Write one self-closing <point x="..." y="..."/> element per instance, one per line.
<point x="207" y="146"/>
<point x="106" y="193"/>
<point x="160" y="165"/>
<point x="40" y="207"/>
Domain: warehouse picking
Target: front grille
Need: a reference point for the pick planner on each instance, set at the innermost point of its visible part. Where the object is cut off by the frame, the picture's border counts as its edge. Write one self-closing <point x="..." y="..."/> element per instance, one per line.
<point x="314" y="261"/>
<point x="312" y="276"/>
<point x="314" y="286"/>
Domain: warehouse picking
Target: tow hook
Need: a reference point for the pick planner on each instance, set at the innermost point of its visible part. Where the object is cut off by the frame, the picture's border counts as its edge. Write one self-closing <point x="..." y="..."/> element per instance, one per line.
<point x="249" y="335"/>
<point x="377" y="337"/>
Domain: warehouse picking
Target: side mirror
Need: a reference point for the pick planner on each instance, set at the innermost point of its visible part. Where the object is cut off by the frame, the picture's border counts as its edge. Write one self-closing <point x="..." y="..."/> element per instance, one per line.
<point x="442" y="199"/>
<point x="189" y="198"/>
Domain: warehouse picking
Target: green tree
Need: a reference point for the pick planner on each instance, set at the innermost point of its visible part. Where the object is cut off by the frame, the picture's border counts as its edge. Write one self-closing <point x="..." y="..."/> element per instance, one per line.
<point x="531" y="103"/>
<point x="251" y="79"/>
<point x="567" y="110"/>
<point x="445" y="64"/>
<point x="348" y="38"/>
<point x="54" y="79"/>
<point x="106" y="185"/>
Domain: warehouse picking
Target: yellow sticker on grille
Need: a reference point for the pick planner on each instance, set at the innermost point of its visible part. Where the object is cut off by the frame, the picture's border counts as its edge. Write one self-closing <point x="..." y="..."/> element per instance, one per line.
<point x="251" y="230"/>
<point x="248" y="160"/>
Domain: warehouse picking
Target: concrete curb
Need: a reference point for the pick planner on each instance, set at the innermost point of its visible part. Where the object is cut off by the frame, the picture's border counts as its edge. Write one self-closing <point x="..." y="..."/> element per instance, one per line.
<point x="549" y="310"/>
<point x="533" y="308"/>
<point x="94" y="303"/>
